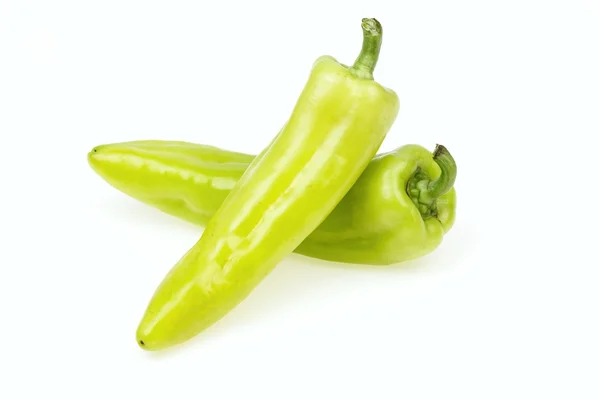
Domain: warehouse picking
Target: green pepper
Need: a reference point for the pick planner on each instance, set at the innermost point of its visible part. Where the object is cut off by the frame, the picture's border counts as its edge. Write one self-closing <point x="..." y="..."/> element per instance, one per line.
<point x="377" y="222"/>
<point x="337" y="125"/>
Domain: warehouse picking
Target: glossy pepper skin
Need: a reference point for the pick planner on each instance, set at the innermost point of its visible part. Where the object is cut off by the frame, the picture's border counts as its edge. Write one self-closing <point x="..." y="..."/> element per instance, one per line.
<point x="186" y="180"/>
<point x="392" y="214"/>
<point x="336" y="127"/>
<point x="378" y="222"/>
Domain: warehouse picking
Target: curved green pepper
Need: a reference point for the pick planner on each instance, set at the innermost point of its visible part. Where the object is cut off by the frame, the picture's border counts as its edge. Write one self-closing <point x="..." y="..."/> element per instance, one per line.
<point x="377" y="222"/>
<point x="336" y="127"/>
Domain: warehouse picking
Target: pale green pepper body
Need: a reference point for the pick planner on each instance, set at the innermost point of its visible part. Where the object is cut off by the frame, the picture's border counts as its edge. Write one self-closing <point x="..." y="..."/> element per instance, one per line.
<point x="375" y="223"/>
<point x="335" y="129"/>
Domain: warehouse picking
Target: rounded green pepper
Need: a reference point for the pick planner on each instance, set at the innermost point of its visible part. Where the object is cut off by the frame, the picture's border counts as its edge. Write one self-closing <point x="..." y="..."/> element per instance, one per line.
<point x="378" y="221"/>
<point x="338" y="123"/>
<point x="398" y="210"/>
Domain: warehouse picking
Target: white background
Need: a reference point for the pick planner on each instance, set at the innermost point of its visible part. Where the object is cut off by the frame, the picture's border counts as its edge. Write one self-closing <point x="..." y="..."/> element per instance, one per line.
<point x="507" y="306"/>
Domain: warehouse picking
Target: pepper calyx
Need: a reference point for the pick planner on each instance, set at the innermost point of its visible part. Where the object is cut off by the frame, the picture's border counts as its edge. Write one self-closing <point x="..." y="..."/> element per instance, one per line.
<point x="424" y="192"/>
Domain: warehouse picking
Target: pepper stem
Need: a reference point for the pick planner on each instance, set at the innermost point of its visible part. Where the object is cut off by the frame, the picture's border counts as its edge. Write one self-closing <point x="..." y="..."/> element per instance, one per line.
<point x="444" y="183"/>
<point x="424" y="192"/>
<point x="367" y="59"/>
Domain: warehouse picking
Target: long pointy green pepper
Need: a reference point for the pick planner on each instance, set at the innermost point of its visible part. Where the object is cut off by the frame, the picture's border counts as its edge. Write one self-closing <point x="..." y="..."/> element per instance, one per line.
<point x="380" y="220"/>
<point x="335" y="129"/>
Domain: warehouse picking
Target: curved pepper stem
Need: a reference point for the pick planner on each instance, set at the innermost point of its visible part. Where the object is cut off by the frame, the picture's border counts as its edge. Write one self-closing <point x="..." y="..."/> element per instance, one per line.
<point x="367" y="59"/>
<point x="444" y="183"/>
<point x="424" y="192"/>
